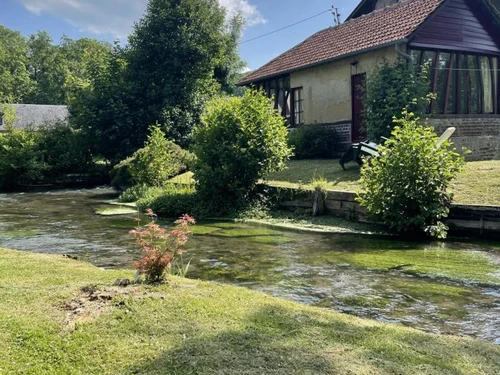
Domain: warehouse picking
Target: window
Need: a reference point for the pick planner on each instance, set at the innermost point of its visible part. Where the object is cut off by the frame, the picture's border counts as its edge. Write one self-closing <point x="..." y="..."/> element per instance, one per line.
<point x="2" y="123"/>
<point x="487" y="79"/>
<point x="464" y="83"/>
<point x="298" y="106"/>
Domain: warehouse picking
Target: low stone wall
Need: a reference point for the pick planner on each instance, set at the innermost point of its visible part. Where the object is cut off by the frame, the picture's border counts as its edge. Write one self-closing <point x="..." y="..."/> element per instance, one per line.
<point x="481" y="135"/>
<point x="483" y="221"/>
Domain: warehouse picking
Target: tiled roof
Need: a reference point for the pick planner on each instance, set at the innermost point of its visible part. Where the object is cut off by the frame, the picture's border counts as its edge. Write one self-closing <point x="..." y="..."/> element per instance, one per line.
<point x="34" y="116"/>
<point x="378" y="28"/>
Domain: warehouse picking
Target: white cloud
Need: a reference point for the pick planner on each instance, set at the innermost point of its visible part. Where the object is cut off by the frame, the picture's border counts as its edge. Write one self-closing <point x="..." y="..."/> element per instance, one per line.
<point x="246" y="69"/>
<point x="247" y="10"/>
<point x="116" y="17"/>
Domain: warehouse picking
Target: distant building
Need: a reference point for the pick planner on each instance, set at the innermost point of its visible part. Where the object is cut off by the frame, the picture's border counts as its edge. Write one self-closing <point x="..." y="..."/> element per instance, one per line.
<point x="35" y="116"/>
<point x="320" y="80"/>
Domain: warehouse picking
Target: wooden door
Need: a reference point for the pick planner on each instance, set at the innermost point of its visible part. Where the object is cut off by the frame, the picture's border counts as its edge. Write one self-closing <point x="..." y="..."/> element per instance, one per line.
<point x="357" y="131"/>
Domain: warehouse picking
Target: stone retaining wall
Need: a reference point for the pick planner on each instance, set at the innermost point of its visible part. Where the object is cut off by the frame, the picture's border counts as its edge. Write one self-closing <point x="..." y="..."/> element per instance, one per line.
<point x="483" y="221"/>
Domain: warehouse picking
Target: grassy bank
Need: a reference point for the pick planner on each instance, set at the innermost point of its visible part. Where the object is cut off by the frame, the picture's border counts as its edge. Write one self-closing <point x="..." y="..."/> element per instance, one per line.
<point x="478" y="183"/>
<point x="60" y="316"/>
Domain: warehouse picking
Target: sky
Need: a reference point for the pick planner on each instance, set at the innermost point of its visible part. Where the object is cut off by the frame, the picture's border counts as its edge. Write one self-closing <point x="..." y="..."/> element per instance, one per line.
<point x="112" y="20"/>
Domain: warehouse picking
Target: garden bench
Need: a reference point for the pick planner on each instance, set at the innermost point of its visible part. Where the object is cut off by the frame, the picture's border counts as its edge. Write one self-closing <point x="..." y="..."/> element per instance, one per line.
<point x="355" y="151"/>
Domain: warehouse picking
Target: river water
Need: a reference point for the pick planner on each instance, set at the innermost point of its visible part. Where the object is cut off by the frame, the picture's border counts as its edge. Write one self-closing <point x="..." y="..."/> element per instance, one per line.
<point x="448" y="287"/>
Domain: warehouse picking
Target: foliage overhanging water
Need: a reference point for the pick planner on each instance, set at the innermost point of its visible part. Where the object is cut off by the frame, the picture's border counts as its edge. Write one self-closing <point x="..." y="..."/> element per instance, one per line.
<point x="451" y="287"/>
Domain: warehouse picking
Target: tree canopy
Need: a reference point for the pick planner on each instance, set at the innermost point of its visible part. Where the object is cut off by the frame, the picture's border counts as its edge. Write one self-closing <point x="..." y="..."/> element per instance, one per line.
<point x="180" y="54"/>
<point x="34" y="70"/>
<point x="14" y="76"/>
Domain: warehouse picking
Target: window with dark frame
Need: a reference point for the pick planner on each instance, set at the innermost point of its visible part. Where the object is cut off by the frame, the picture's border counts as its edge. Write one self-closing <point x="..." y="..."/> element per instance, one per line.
<point x="465" y="83"/>
<point x="298" y="106"/>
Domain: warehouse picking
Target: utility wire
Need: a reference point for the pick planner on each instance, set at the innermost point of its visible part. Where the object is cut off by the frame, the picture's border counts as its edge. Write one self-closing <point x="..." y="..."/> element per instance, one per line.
<point x="286" y="27"/>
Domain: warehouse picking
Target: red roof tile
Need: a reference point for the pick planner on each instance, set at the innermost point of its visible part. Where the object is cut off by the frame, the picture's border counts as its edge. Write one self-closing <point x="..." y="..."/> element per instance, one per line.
<point x="374" y="29"/>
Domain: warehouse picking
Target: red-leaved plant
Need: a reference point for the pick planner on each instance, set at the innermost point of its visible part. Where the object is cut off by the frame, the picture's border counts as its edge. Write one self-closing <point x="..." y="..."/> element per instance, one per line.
<point x="159" y="246"/>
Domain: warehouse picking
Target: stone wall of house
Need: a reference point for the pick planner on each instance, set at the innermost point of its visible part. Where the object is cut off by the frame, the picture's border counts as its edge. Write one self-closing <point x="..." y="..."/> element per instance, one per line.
<point x="327" y="88"/>
<point x="480" y="134"/>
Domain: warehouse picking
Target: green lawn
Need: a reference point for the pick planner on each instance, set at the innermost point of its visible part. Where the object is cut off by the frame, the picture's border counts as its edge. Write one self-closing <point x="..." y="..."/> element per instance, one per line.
<point x="60" y="316"/>
<point x="479" y="182"/>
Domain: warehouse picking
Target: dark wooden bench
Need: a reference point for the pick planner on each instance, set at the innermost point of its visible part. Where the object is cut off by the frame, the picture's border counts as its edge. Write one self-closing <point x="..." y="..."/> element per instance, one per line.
<point x="356" y="150"/>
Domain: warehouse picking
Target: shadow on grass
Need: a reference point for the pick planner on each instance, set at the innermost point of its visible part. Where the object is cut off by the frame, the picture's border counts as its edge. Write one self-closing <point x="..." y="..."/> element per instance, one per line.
<point x="267" y="345"/>
<point x="280" y="341"/>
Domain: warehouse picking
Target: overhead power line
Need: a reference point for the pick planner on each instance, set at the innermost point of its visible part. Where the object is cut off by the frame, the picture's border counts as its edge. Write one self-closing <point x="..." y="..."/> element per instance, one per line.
<point x="286" y="27"/>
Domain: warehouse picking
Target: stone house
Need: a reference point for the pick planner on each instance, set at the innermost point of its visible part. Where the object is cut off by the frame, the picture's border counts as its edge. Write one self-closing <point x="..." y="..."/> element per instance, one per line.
<point x="319" y="81"/>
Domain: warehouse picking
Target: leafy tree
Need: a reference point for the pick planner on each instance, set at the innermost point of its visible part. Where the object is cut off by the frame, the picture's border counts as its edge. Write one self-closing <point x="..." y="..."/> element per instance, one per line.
<point x="14" y="76"/>
<point x="59" y="72"/>
<point x="173" y="54"/>
<point x="228" y="69"/>
<point x="239" y="141"/>
<point x="406" y="186"/>
<point x="102" y="110"/>
<point x="390" y="90"/>
<point x="47" y="70"/>
<point x="84" y="58"/>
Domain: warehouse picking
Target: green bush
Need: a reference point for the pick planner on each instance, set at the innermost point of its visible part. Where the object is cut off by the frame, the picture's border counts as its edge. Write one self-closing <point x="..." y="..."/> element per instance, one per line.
<point x="134" y="193"/>
<point x="65" y="151"/>
<point x="121" y="179"/>
<point x="393" y="88"/>
<point x="240" y="140"/>
<point x="153" y="165"/>
<point x="171" y="201"/>
<point x="406" y="185"/>
<point x="21" y="159"/>
<point x="313" y="142"/>
<point x="29" y="157"/>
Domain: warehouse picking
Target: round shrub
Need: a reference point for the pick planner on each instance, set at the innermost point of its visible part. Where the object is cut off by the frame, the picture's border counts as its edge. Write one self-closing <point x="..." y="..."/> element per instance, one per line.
<point x="313" y="142"/>
<point x="153" y="165"/>
<point x="239" y="141"/>
<point x="406" y="185"/>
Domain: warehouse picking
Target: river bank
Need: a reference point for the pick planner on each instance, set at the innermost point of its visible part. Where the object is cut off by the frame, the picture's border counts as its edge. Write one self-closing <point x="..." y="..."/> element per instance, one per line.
<point x="61" y="316"/>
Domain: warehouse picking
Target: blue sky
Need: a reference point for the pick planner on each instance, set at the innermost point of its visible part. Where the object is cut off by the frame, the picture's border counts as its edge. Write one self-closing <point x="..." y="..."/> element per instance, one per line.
<point x="113" y="19"/>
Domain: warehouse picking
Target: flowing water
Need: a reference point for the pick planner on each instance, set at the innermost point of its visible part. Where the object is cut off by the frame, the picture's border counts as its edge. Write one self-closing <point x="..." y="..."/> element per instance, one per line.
<point x="448" y="287"/>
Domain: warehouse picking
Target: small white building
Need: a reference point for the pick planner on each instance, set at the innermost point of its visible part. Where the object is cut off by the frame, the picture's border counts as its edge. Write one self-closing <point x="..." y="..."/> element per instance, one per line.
<point x="35" y="116"/>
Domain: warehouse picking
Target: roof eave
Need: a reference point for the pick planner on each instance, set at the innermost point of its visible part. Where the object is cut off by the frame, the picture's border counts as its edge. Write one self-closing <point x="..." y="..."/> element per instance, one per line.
<point x="322" y="62"/>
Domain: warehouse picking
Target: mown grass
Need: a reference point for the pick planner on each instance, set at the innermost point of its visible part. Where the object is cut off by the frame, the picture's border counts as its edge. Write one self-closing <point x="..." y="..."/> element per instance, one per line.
<point x="478" y="183"/>
<point x="192" y="327"/>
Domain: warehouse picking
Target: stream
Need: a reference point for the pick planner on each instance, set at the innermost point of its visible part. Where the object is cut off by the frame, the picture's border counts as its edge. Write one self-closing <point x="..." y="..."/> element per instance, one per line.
<point x="450" y="287"/>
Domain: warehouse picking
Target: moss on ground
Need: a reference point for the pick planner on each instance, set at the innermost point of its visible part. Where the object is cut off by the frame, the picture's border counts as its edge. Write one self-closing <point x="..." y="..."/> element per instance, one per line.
<point x="192" y="327"/>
